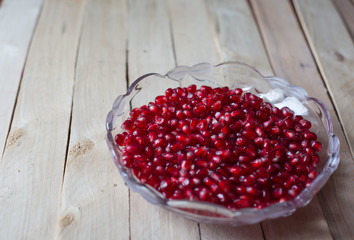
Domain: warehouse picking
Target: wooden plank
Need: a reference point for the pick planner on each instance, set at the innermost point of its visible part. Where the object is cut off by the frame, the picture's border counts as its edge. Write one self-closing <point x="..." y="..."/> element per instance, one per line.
<point x="32" y="167"/>
<point x="95" y="201"/>
<point x="291" y="59"/>
<point x="226" y="14"/>
<point x="212" y="232"/>
<point x="18" y="20"/>
<point x="337" y="198"/>
<point x="346" y="10"/>
<point x="334" y="52"/>
<point x="150" y="50"/>
<point x="194" y="41"/>
<point x="237" y="35"/>
<point x="187" y="23"/>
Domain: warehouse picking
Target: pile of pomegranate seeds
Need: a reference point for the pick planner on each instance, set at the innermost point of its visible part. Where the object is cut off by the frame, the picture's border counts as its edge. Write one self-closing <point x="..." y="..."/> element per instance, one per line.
<point x="219" y="145"/>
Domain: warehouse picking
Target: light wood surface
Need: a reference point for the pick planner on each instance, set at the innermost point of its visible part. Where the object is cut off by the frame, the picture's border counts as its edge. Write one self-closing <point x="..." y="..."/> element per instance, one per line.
<point x="334" y="51"/>
<point x="231" y="37"/>
<point x="242" y="41"/>
<point x="194" y="41"/>
<point x="148" y="41"/>
<point x="93" y="193"/>
<point x="57" y="179"/>
<point x="18" y="20"/>
<point x="346" y="10"/>
<point x="31" y="170"/>
<point x="291" y="59"/>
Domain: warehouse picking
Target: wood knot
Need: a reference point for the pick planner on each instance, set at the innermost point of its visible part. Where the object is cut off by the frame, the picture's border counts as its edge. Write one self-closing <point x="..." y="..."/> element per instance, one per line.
<point x="15" y="136"/>
<point x="66" y="220"/>
<point x="339" y="56"/>
<point x="303" y="65"/>
<point x="81" y="147"/>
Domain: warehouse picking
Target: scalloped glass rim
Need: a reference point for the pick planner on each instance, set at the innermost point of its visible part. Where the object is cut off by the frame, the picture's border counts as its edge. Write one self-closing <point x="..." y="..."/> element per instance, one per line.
<point x="209" y="212"/>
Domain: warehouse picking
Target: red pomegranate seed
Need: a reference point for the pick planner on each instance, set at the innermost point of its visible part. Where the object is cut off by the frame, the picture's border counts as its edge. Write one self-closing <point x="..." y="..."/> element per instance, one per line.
<point x="219" y="145"/>
<point x="120" y="139"/>
<point x="310" y="136"/>
<point x="315" y="160"/>
<point x="216" y="106"/>
<point x="241" y="141"/>
<point x="305" y="124"/>
<point x="317" y="146"/>
<point x="249" y="134"/>
<point x="223" y="154"/>
<point x="278" y="193"/>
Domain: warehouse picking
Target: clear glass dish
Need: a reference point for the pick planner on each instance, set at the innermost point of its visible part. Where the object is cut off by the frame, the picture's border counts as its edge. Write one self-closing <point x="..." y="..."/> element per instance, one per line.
<point x="234" y="75"/>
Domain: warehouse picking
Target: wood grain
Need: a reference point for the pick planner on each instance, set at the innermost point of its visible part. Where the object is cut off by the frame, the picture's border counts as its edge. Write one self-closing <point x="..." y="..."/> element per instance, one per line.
<point x="231" y="36"/>
<point x="213" y="231"/>
<point x="235" y="23"/>
<point x="238" y="37"/>
<point x="18" y="20"/>
<point x="150" y="50"/>
<point x="346" y="10"/>
<point x="334" y="52"/>
<point x="291" y="59"/>
<point x="336" y="198"/>
<point x="32" y="167"/>
<point x="95" y="201"/>
<point x="193" y="38"/>
<point x="191" y="50"/>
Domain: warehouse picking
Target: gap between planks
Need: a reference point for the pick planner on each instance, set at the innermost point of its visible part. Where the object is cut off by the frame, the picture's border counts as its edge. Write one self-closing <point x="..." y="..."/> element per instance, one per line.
<point x="334" y="56"/>
<point x="57" y="227"/>
<point x="264" y="61"/>
<point x="72" y="104"/>
<point x="29" y="186"/>
<point x="16" y="58"/>
<point x="346" y="10"/>
<point x="93" y="193"/>
<point x="313" y="80"/>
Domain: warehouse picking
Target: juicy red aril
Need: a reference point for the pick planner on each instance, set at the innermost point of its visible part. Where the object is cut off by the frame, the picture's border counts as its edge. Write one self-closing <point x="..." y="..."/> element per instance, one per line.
<point x="218" y="145"/>
<point x="317" y="146"/>
<point x="120" y="139"/>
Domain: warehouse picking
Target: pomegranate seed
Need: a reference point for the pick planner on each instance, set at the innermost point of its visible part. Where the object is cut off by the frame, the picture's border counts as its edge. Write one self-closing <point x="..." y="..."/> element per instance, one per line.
<point x="201" y="151"/>
<point x="287" y="112"/>
<point x="310" y="136"/>
<point x="294" y="146"/>
<point x="305" y="124"/>
<point x="219" y="145"/>
<point x="277" y="193"/>
<point x="259" y="131"/>
<point x="317" y="146"/>
<point x="267" y="124"/>
<point x="288" y="122"/>
<point x="249" y="134"/>
<point x="216" y="106"/>
<point x="312" y="175"/>
<point x="237" y="171"/>
<point x="120" y="139"/>
<point x="241" y="141"/>
<point x="134" y="148"/>
<point x="275" y="131"/>
<point x="251" y="190"/>
<point x="223" y="154"/>
<point x="225" y="186"/>
<point x="289" y="134"/>
<point x="315" y="160"/>
<point x="204" y="194"/>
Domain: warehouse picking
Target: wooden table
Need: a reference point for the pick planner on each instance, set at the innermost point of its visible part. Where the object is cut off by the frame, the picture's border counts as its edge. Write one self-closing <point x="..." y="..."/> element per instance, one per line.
<point x="63" y="62"/>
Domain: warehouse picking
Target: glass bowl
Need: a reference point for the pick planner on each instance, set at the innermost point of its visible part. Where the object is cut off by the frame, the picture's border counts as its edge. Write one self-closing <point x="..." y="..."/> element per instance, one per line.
<point x="234" y="75"/>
